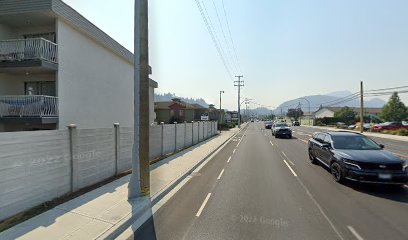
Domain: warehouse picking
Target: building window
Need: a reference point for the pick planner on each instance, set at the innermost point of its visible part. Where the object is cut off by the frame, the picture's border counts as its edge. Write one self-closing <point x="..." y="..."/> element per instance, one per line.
<point x="40" y="88"/>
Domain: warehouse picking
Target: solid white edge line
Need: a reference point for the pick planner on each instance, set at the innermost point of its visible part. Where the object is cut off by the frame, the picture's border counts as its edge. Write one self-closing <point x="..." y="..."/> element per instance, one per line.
<point x="284" y="154"/>
<point x="355" y="233"/>
<point x="203" y="205"/>
<point x="229" y="159"/>
<point x="219" y="176"/>
<point x="290" y="168"/>
<point x="234" y="150"/>
<point x="271" y="143"/>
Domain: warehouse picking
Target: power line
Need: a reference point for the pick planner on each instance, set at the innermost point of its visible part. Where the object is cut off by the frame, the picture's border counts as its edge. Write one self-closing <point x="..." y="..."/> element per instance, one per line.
<point x="225" y="39"/>
<point x="382" y="89"/>
<point x="213" y="38"/>
<point x="230" y="35"/>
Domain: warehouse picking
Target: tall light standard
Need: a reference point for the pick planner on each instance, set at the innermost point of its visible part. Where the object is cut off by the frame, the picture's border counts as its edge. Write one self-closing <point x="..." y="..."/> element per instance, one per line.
<point x="220" y="118"/>
<point x="308" y="105"/>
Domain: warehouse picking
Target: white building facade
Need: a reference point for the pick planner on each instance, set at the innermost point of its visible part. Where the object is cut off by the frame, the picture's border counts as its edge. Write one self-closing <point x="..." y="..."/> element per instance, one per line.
<point x="57" y="68"/>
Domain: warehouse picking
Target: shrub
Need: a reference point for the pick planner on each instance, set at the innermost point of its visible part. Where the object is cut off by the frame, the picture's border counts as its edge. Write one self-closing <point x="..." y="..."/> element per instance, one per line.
<point x="401" y="132"/>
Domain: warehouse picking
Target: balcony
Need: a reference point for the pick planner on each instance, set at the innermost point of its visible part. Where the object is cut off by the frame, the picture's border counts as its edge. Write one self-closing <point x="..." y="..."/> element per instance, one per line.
<point x="29" y="109"/>
<point x="34" y="54"/>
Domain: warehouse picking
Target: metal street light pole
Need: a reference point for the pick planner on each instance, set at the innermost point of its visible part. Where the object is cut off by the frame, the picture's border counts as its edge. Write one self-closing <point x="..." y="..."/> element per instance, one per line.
<point x="308" y="105"/>
<point x="220" y="112"/>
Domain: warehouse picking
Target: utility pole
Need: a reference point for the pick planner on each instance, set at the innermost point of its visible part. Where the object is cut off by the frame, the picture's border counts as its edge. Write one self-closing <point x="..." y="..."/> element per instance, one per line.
<point x="139" y="183"/>
<point x="220" y="111"/>
<point x="239" y="84"/>
<point x="361" y="107"/>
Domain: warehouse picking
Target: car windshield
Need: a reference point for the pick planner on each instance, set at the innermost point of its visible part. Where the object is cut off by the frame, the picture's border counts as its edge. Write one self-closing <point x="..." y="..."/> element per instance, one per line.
<point x="281" y="125"/>
<point x="354" y="142"/>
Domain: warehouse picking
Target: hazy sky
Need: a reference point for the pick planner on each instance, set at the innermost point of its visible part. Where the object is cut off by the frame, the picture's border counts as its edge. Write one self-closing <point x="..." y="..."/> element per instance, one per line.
<point x="286" y="49"/>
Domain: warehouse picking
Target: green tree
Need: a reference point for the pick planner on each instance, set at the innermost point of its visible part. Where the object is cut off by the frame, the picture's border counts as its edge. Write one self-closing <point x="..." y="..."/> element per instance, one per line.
<point x="345" y="113"/>
<point x="394" y="110"/>
<point x="294" y="113"/>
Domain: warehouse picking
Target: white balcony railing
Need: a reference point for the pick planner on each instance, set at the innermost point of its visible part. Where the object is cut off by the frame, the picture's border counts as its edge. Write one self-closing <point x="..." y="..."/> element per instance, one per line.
<point x="28" y="49"/>
<point x="28" y="106"/>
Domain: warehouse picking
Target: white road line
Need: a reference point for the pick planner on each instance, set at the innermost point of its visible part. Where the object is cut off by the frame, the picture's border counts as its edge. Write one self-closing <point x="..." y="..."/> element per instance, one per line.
<point x="320" y="209"/>
<point x="355" y="233"/>
<point x="284" y="154"/>
<point x="238" y="143"/>
<point x="219" y="176"/>
<point x="271" y="143"/>
<point x="290" y="168"/>
<point x="203" y="205"/>
<point x="293" y="164"/>
<point x="229" y="159"/>
<point x="234" y="151"/>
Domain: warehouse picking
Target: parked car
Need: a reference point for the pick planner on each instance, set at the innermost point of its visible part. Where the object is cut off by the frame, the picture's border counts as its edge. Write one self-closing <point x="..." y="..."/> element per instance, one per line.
<point x="389" y="126"/>
<point x="351" y="127"/>
<point x="281" y="129"/>
<point x="268" y="124"/>
<point x="296" y="123"/>
<point x="355" y="157"/>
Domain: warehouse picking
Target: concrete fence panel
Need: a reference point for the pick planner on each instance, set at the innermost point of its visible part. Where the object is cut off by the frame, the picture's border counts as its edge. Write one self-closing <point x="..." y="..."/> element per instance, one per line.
<point x="168" y="138"/>
<point x="189" y="134"/>
<point x="34" y="168"/>
<point x="125" y="149"/>
<point x="180" y="136"/>
<point x="195" y="132"/>
<point x="155" y="141"/>
<point x="95" y="156"/>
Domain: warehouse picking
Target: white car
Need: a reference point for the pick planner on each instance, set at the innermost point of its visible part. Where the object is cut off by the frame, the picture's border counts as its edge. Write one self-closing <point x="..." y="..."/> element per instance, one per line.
<point x="281" y="129"/>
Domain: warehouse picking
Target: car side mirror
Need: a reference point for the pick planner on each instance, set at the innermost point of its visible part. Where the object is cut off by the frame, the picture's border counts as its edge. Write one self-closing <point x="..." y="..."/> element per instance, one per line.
<point x="381" y="145"/>
<point x="325" y="145"/>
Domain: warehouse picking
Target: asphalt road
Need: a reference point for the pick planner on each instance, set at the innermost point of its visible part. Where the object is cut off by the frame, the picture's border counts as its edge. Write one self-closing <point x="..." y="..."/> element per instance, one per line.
<point x="259" y="187"/>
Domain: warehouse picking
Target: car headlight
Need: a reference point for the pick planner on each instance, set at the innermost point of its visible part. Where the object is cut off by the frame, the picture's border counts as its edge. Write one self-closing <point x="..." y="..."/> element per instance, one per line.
<point x="405" y="167"/>
<point x="352" y="164"/>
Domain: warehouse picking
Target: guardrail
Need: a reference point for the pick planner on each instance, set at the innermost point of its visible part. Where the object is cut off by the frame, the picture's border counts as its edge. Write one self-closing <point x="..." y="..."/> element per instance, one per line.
<point x="28" y="49"/>
<point x="28" y="106"/>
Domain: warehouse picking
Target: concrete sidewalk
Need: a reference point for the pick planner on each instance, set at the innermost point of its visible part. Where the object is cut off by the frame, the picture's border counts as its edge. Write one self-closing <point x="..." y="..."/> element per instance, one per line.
<point x="371" y="134"/>
<point x="103" y="212"/>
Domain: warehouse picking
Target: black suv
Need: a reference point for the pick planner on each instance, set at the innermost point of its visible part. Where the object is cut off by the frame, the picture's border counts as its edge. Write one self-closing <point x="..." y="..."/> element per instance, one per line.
<point x="355" y="157"/>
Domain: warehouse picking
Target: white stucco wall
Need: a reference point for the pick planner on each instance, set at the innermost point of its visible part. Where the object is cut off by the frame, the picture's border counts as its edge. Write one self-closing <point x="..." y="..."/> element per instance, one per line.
<point x="324" y="113"/>
<point x="95" y="86"/>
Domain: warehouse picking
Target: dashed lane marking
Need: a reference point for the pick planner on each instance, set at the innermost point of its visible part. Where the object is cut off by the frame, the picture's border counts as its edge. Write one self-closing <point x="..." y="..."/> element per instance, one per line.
<point x="355" y="233"/>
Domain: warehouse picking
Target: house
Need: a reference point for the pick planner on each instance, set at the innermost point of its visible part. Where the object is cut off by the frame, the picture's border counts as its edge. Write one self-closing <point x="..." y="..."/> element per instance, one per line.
<point x="329" y="111"/>
<point x="231" y="116"/>
<point x="57" y="68"/>
<point x="177" y="110"/>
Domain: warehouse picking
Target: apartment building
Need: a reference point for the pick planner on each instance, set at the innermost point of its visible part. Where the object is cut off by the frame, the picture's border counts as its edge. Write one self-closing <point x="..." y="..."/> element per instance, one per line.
<point x="57" y="68"/>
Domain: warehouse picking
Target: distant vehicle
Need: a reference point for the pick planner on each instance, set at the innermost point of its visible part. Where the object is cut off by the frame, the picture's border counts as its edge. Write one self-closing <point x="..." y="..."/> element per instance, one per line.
<point x="268" y="124"/>
<point x="405" y="123"/>
<point x="351" y="127"/>
<point x="353" y="156"/>
<point x="366" y="126"/>
<point x="296" y="123"/>
<point x="281" y="129"/>
<point x="252" y="120"/>
<point x="389" y="126"/>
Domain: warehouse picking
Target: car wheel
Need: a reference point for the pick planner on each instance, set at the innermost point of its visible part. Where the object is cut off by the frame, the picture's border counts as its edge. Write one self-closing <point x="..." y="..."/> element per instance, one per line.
<point x="290" y="136"/>
<point x="337" y="173"/>
<point x="276" y="135"/>
<point x="311" y="157"/>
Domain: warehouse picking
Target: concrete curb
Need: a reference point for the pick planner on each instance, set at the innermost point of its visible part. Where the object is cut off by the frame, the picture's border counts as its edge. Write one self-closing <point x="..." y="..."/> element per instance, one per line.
<point x="138" y="218"/>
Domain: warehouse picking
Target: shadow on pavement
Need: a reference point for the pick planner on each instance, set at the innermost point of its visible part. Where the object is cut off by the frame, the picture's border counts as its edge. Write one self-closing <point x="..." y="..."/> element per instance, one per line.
<point x="394" y="193"/>
<point x="147" y="231"/>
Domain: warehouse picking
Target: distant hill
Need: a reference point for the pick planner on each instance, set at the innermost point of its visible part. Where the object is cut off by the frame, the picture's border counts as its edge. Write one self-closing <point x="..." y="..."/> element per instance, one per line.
<point x="168" y="96"/>
<point x="327" y="99"/>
